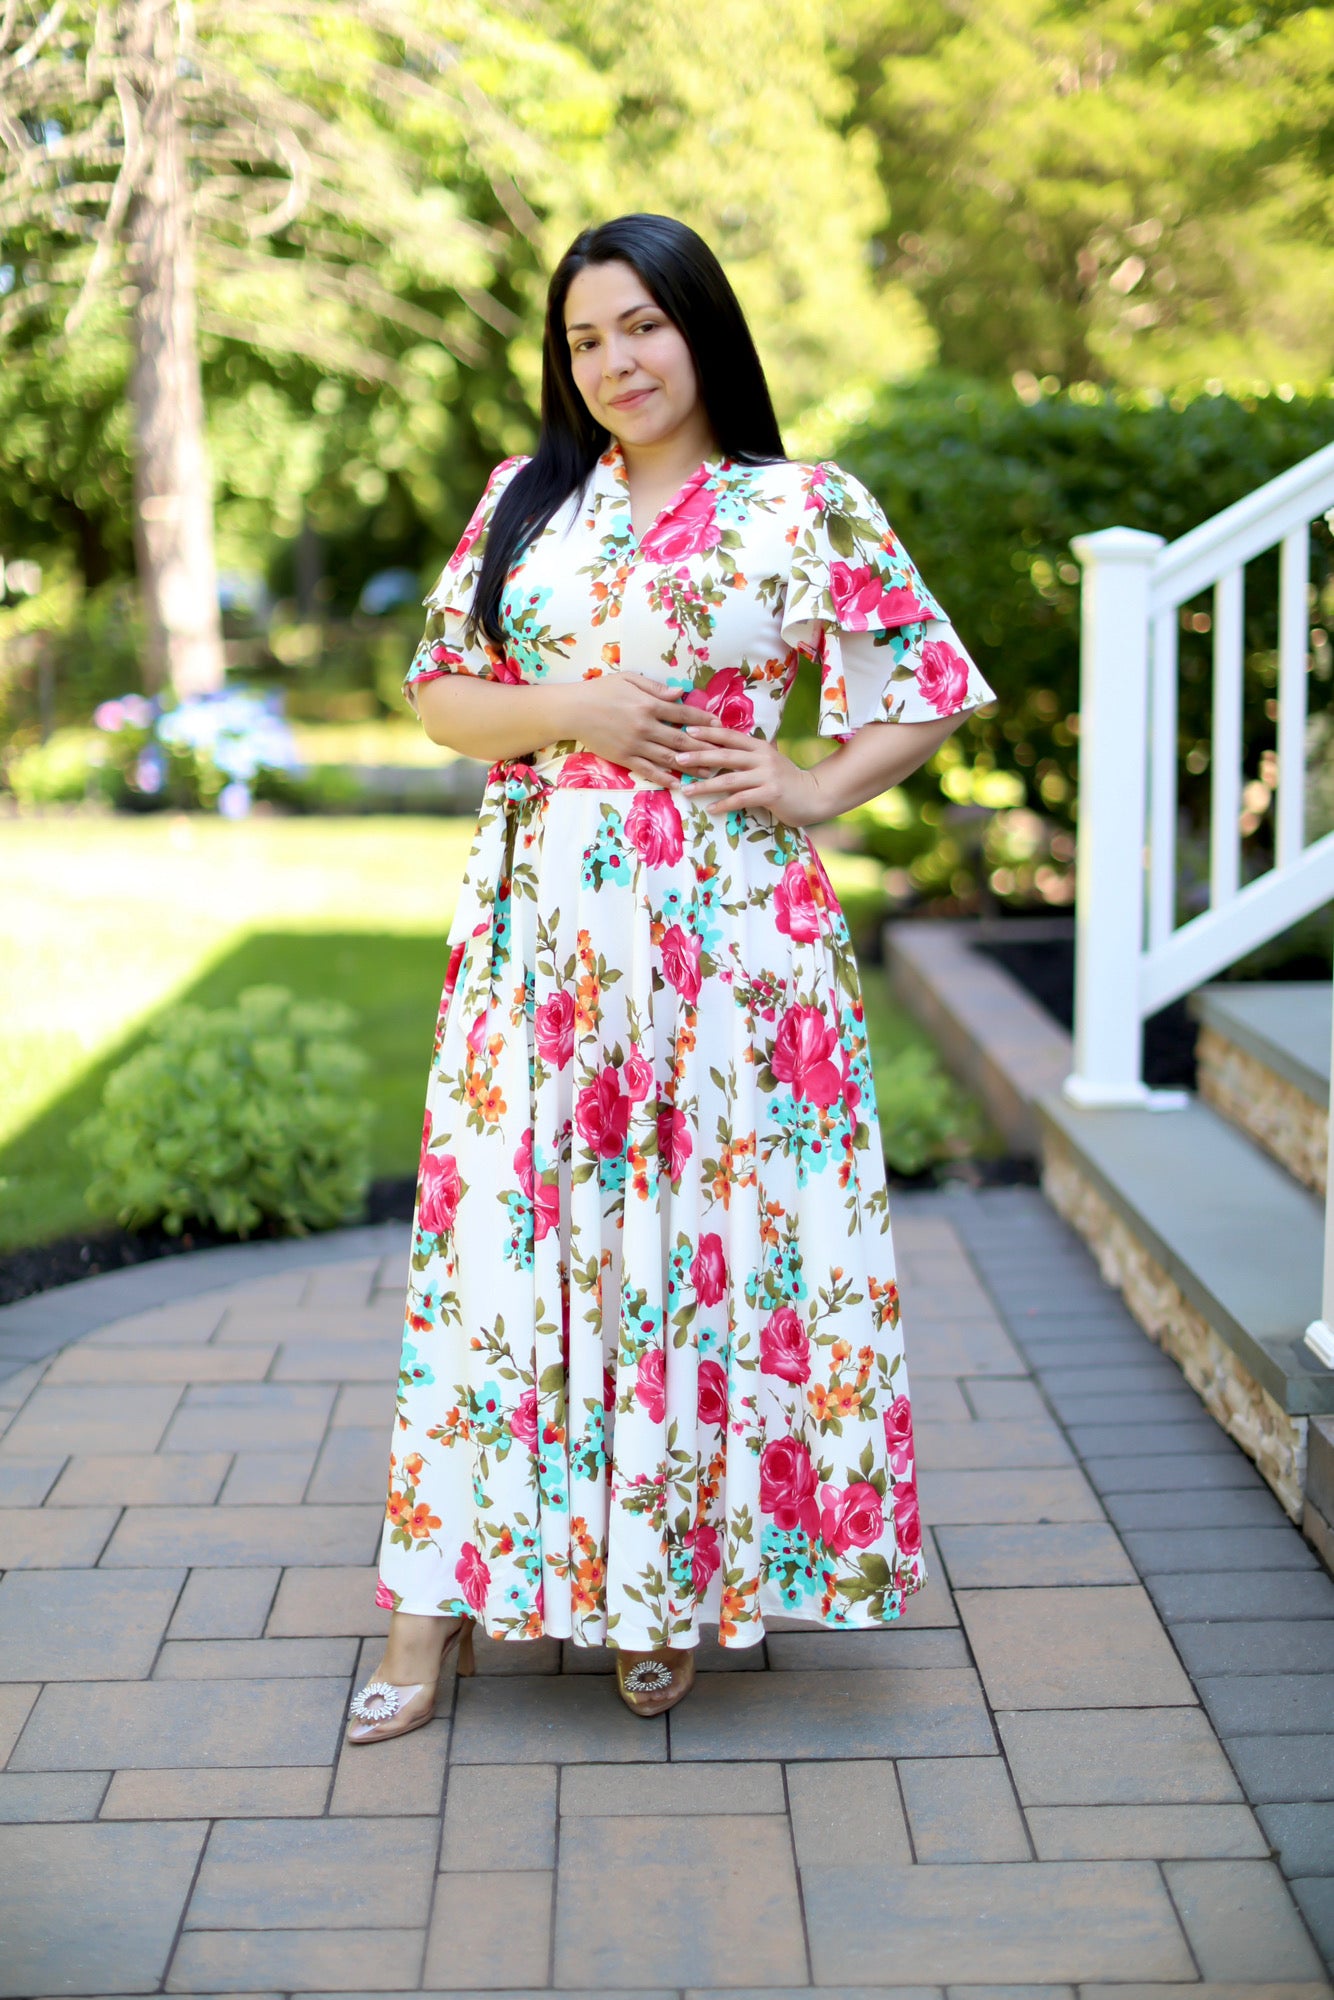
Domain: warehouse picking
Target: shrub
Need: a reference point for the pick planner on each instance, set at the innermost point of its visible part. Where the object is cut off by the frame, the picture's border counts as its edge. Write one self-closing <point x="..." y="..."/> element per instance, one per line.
<point x="924" y="1117"/>
<point x="62" y="771"/>
<point x="987" y="491"/>
<point x="235" y="1118"/>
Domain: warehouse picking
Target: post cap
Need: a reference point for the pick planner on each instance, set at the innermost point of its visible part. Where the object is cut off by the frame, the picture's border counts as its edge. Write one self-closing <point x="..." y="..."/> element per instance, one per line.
<point x="1117" y="545"/>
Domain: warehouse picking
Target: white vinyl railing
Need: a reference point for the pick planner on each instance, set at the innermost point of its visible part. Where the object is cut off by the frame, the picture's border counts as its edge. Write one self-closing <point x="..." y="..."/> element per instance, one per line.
<point x="1131" y="955"/>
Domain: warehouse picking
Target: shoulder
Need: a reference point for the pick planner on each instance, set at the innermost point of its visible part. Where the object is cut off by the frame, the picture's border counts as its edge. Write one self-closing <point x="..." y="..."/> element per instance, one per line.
<point x="814" y="487"/>
<point x="501" y="476"/>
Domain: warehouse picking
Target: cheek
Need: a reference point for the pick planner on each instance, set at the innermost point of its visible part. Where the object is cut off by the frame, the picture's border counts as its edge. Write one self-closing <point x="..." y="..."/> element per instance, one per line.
<point x="587" y="376"/>
<point x="673" y="365"/>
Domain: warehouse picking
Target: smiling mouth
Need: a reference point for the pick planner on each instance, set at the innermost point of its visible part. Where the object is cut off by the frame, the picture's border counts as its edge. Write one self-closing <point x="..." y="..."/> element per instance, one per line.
<point x="629" y="402"/>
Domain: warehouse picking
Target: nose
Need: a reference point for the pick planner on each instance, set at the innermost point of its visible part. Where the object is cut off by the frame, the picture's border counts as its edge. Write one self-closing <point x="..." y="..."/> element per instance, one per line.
<point x="617" y="360"/>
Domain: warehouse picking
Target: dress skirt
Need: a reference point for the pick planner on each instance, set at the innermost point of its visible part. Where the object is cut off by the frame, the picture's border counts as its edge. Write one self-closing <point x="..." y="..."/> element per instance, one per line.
<point x="652" y="1373"/>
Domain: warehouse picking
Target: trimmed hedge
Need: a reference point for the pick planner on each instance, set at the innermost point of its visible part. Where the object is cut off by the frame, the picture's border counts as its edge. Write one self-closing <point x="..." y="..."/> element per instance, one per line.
<point x="987" y="492"/>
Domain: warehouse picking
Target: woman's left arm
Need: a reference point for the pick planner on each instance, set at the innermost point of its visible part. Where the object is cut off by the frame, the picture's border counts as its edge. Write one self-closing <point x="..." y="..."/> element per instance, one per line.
<point x="747" y="771"/>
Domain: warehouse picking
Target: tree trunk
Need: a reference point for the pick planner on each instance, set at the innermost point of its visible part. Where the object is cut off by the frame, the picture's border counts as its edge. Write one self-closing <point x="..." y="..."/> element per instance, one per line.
<point x="173" y="497"/>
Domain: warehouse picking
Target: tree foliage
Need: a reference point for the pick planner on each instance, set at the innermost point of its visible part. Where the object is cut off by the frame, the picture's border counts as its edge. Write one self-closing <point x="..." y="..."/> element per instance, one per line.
<point x="1133" y="191"/>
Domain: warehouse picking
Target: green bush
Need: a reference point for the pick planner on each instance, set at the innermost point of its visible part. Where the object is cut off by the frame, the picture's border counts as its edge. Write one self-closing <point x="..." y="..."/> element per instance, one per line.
<point x="62" y="771"/>
<point x="987" y="492"/>
<point x="235" y="1118"/>
<point x="924" y="1117"/>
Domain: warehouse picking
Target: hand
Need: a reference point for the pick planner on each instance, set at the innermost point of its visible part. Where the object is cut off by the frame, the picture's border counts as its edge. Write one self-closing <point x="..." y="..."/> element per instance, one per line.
<point x="633" y="720"/>
<point x="748" y="773"/>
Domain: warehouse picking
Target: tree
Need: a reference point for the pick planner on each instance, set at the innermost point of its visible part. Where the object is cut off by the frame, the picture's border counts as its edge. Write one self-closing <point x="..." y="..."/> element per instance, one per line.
<point x="281" y="172"/>
<point x="730" y="116"/>
<point x="1133" y="191"/>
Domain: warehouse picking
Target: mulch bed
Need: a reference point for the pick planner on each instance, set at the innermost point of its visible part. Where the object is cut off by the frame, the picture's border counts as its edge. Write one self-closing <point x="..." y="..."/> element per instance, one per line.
<point x="24" y="1272"/>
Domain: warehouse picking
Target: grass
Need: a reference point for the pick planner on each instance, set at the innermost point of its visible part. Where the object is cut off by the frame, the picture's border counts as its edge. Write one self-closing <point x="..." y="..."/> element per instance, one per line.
<point x="105" y="921"/>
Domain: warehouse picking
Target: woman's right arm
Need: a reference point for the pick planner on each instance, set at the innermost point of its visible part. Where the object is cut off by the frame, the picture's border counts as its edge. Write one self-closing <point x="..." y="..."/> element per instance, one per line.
<point x="628" y="718"/>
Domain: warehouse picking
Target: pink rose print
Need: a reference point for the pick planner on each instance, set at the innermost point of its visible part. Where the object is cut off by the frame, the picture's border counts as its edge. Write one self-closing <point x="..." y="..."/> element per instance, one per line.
<point x="674" y="1141"/>
<point x="852" y="1519"/>
<point x="440" y="1191"/>
<point x="708" y="1272"/>
<point x="862" y="599"/>
<point x="603" y="1114"/>
<point x="651" y="1383"/>
<point x="796" y="912"/>
<point x="680" y="962"/>
<point x="653" y="825"/>
<point x="504" y="667"/>
<point x="907" y="1517"/>
<point x="691" y="529"/>
<point x="637" y="1075"/>
<point x="712" y="1393"/>
<point x="899" y="606"/>
<point x="544" y="1195"/>
<point x="554" y="1028"/>
<point x="801" y="1055"/>
<point x="584" y="771"/>
<point x="943" y="677"/>
<point x="785" y="1350"/>
<point x="445" y="657"/>
<point x="384" y="1596"/>
<point x="474" y="1577"/>
<point x="705" y="1556"/>
<point x="788" y="1483"/>
<point x="523" y="1420"/>
<point x="452" y="973"/>
<point x="898" y="1434"/>
<point x="724" y="697"/>
<point x="546" y="1209"/>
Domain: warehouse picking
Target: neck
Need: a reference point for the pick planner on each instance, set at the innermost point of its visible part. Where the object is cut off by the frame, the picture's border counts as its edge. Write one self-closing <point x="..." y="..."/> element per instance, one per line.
<point x="673" y="458"/>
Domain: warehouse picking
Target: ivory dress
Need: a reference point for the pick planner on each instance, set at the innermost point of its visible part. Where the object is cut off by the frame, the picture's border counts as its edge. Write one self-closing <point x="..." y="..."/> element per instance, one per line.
<point x="653" y="1371"/>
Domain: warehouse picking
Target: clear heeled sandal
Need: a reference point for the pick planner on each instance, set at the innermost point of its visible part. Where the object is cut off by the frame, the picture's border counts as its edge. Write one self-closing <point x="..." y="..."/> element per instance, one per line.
<point x="379" y="1705"/>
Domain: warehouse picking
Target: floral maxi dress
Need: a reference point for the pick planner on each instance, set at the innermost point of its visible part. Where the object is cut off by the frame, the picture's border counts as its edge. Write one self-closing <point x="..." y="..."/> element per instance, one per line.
<point x="653" y="1374"/>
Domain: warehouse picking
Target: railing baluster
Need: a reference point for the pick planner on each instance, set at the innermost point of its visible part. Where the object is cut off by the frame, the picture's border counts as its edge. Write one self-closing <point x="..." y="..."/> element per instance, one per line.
<point x="1293" y="640"/>
<point x="1225" y="790"/>
<point x="1163" y="779"/>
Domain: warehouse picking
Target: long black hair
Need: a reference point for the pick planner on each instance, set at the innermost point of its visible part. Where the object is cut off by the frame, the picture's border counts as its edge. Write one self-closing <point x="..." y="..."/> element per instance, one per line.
<point x="687" y="281"/>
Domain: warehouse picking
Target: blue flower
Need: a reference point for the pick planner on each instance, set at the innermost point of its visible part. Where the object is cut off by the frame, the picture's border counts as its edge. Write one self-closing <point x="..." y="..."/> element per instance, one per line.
<point x="417" y="1371"/>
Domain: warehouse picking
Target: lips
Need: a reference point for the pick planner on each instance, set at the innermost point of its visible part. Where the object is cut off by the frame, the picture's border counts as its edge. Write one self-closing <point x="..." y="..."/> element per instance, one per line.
<point x="632" y="401"/>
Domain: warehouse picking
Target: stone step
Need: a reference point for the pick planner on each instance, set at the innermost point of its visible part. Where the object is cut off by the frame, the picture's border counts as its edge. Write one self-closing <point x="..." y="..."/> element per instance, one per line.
<point x="1218" y="1253"/>
<point x="1263" y="1058"/>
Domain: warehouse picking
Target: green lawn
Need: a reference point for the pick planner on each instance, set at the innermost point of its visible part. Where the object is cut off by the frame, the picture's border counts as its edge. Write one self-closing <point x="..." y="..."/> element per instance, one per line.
<point x="103" y="921"/>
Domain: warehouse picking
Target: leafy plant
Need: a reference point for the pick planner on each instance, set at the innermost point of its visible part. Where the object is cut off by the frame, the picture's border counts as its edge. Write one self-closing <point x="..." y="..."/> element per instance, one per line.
<point x="61" y="771"/>
<point x="924" y="1117"/>
<point x="234" y="1118"/>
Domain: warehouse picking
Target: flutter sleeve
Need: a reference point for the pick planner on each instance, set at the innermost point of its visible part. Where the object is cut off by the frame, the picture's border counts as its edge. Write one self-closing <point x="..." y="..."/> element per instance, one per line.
<point x="450" y="644"/>
<point x="856" y="604"/>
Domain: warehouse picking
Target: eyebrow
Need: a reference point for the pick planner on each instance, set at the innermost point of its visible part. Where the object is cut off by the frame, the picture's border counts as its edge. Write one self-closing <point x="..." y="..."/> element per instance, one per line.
<point x="586" y="326"/>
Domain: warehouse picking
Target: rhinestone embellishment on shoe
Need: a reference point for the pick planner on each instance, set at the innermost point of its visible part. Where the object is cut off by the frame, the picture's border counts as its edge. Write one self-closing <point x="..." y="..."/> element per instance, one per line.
<point x="648" y="1677"/>
<point x="376" y="1702"/>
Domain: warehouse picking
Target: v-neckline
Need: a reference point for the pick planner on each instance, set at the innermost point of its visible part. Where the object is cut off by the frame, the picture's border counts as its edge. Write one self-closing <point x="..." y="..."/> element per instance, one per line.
<point x="614" y="458"/>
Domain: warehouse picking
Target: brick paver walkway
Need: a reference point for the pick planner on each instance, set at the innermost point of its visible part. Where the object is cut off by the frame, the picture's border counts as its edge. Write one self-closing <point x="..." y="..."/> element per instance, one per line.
<point x="1029" y="1799"/>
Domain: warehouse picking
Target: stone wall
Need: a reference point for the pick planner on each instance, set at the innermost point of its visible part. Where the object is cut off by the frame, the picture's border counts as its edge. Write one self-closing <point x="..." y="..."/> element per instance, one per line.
<point x="1276" y="1441"/>
<point x="1273" y="1111"/>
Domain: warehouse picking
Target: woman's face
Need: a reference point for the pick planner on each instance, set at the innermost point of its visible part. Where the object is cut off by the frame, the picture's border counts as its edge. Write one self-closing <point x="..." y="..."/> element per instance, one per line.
<point x="630" y="362"/>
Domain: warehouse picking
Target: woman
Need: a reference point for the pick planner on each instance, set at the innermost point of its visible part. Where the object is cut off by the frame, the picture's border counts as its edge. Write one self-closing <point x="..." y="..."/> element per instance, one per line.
<point x="652" y="1374"/>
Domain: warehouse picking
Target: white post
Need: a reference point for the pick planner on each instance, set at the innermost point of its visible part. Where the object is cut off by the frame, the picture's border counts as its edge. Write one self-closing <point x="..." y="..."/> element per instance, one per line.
<point x="1109" y="868"/>
<point x="1320" y="1333"/>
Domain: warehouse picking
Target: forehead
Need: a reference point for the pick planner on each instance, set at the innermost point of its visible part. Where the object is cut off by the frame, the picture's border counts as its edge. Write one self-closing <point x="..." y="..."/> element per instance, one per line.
<point x="601" y="293"/>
